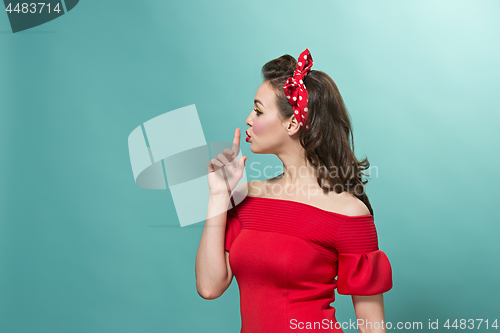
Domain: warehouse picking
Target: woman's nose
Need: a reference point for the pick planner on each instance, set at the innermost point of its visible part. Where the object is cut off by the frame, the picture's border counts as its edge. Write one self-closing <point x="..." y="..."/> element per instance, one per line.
<point x="249" y="120"/>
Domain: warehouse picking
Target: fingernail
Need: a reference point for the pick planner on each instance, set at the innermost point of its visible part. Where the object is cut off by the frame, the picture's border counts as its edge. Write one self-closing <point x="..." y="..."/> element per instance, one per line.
<point x="231" y="152"/>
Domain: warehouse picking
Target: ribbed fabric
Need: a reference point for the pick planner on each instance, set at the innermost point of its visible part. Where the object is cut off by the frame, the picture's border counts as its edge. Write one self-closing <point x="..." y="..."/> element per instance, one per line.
<point x="286" y="255"/>
<point x="357" y="235"/>
<point x="315" y="225"/>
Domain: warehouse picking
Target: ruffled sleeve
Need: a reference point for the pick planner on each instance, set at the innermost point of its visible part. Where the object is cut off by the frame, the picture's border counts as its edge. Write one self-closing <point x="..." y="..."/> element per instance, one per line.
<point x="363" y="269"/>
<point x="233" y="228"/>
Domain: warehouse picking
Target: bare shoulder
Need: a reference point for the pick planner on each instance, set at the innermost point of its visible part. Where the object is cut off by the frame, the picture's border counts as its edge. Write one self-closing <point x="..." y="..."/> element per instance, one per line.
<point x="350" y="205"/>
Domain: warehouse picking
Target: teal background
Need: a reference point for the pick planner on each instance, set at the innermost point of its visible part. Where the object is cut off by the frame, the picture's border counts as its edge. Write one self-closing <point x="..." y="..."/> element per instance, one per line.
<point x="84" y="249"/>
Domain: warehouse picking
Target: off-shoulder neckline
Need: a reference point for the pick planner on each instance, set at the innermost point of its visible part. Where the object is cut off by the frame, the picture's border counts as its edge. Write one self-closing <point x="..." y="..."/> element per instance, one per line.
<point x="313" y="207"/>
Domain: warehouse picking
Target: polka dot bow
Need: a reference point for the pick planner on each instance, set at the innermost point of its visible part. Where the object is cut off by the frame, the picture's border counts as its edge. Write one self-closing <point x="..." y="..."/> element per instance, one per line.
<point x="295" y="90"/>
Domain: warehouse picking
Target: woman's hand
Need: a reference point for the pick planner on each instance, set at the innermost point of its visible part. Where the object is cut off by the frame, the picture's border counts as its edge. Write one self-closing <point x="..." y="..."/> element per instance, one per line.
<point x="227" y="166"/>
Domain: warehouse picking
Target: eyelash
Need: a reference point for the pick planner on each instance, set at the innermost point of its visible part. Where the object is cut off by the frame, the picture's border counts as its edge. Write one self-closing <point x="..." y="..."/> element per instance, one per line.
<point x="258" y="112"/>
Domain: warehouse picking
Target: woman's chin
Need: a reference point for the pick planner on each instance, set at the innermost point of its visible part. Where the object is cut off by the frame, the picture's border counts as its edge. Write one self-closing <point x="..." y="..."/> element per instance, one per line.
<point x="252" y="148"/>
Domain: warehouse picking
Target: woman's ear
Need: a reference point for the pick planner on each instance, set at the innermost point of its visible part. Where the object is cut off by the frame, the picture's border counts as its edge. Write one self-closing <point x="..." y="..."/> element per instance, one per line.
<point x="292" y="125"/>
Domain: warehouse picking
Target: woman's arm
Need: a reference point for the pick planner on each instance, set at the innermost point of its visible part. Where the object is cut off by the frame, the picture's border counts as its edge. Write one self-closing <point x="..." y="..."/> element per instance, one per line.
<point x="213" y="273"/>
<point x="370" y="313"/>
<point x="212" y="270"/>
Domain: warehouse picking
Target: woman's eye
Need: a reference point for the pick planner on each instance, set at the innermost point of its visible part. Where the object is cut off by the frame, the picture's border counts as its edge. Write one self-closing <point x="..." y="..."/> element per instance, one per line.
<point x="258" y="112"/>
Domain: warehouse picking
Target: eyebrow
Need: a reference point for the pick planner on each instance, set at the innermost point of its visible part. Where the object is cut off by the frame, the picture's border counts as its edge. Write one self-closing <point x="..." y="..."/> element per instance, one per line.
<point x="255" y="101"/>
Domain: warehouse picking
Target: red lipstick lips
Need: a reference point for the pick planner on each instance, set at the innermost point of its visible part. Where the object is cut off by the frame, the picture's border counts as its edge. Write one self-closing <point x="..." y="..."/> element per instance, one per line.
<point x="248" y="137"/>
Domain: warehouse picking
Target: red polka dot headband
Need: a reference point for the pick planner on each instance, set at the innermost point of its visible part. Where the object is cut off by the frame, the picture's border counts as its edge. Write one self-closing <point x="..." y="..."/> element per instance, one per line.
<point x="295" y="90"/>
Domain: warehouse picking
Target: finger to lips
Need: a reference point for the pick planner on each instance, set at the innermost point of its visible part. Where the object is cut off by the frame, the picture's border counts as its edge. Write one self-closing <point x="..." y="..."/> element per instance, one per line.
<point x="236" y="140"/>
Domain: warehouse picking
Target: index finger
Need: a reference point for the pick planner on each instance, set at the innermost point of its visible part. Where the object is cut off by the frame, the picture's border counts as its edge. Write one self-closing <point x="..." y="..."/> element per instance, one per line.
<point x="236" y="141"/>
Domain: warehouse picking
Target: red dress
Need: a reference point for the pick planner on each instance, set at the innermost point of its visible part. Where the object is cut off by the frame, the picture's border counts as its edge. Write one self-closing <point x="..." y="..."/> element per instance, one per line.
<point x="286" y="256"/>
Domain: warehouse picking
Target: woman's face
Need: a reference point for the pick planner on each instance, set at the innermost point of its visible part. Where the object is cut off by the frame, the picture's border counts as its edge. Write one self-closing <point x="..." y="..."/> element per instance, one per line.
<point x="268" y="132"/>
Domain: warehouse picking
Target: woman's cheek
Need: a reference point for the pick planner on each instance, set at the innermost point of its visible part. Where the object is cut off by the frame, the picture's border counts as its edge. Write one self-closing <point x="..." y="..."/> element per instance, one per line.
<point x="259" y="127"/>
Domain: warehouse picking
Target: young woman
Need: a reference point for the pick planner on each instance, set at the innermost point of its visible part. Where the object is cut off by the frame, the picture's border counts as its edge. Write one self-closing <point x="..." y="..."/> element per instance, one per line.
<point x="291" y="240"/>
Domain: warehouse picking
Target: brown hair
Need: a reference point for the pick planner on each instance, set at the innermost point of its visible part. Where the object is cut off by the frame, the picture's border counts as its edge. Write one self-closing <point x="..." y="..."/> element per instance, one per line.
<point x="327" y="141"/>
